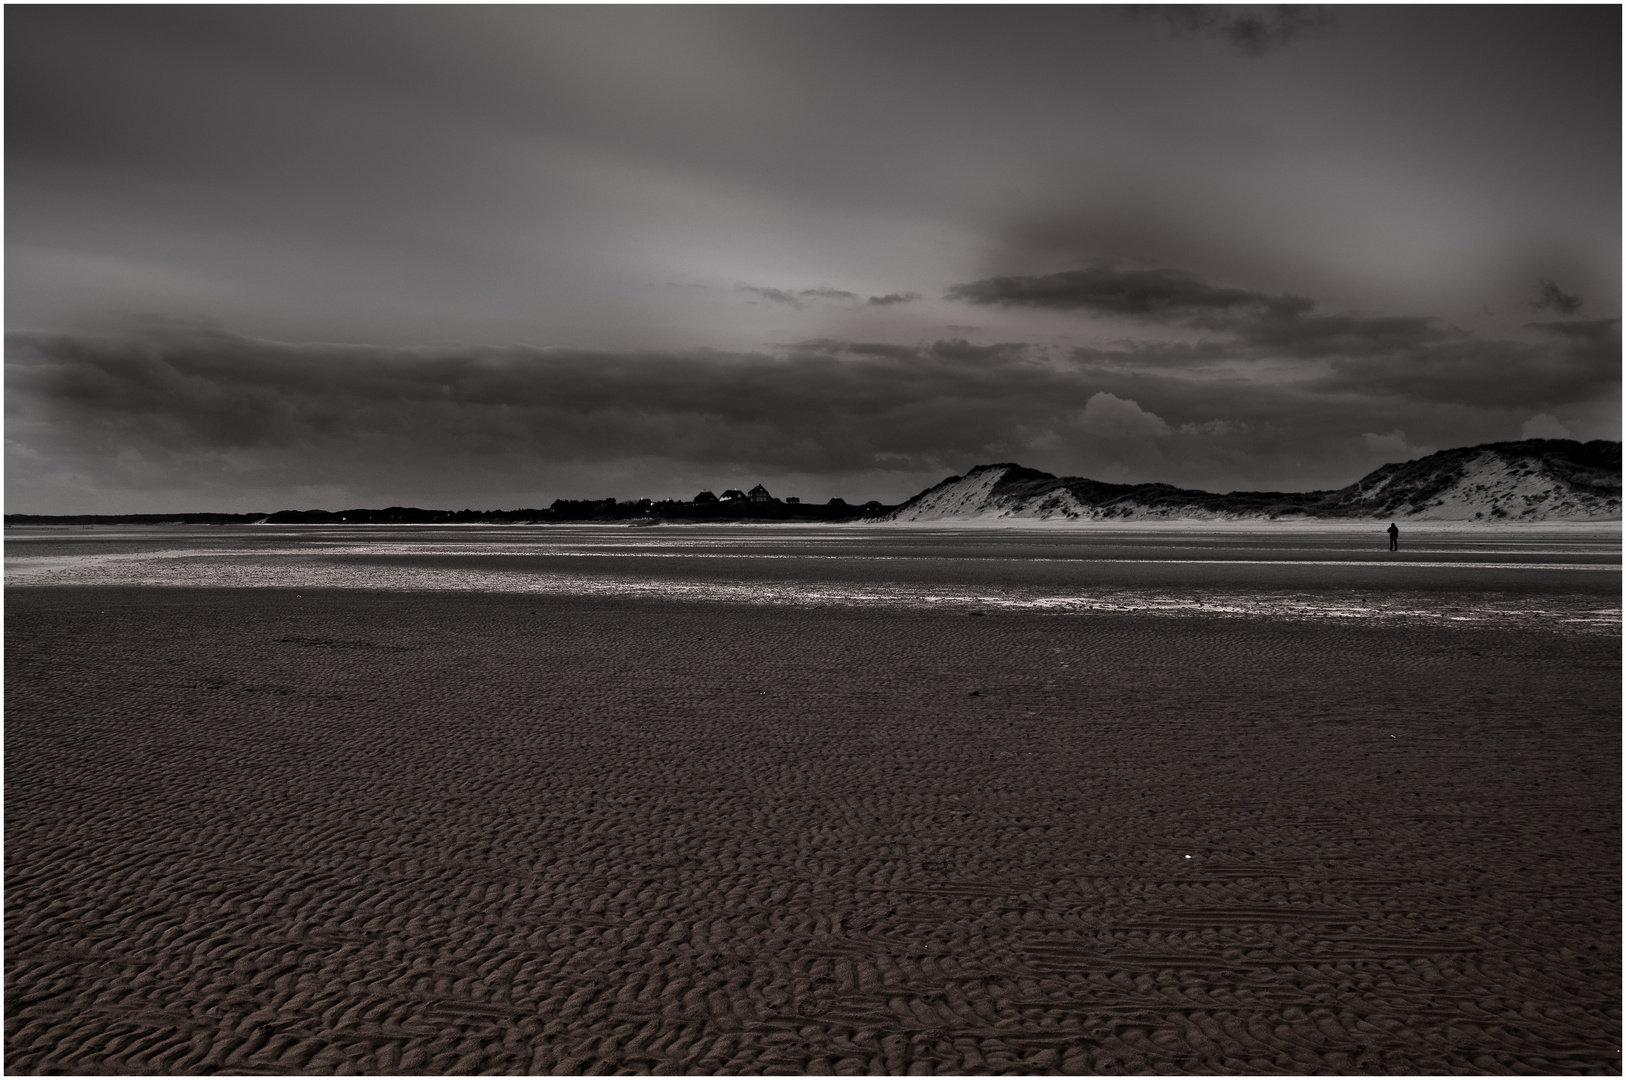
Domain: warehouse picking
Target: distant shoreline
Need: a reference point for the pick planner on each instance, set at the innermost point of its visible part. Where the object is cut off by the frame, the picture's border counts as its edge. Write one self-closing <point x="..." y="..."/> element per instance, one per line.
<point x="1412" y="527"/>
<point x="590" y="513"/>
<point x="1532" y="480"/>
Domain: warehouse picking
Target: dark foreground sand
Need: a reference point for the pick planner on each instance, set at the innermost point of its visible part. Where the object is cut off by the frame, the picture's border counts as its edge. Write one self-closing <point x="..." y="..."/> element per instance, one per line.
<point x="256" y="832"/>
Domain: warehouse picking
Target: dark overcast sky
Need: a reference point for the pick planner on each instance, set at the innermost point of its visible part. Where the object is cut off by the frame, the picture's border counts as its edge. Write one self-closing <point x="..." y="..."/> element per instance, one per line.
<point x="266" y="257"/>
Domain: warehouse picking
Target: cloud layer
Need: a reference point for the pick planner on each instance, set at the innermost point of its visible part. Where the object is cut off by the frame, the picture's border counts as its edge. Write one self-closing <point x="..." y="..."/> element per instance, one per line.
<point x="1157" y="295"/>
<point x="853" y="247"/>
<point x="1557" y="299"/>
<point x="1273" y="402"/>
<point x="1251" y="32"/>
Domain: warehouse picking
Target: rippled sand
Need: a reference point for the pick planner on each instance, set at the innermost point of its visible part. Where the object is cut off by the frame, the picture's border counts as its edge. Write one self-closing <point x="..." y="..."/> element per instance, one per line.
<point x="318" y="830"/>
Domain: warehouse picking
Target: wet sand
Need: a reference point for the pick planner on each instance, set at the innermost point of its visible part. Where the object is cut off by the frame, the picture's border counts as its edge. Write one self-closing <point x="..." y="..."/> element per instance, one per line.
<point x="348" y="831"/>
<point x="1528" y="576"/>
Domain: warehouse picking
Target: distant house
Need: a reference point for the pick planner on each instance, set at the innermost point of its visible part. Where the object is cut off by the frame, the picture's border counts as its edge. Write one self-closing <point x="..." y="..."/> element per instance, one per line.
<point x="759" y="494"/>
<point x="705" y="497"/>
<point x="733" y="493"/>
<point x="792" y="499"/>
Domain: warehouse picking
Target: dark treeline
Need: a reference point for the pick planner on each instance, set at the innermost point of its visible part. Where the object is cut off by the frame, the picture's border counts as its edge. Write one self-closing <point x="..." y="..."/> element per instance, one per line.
<point x="562" y="510"/>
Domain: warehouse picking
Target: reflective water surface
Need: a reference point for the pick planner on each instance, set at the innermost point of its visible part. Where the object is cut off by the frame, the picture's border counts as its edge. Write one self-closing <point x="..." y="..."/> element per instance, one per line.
<point x="1565" y="574"/>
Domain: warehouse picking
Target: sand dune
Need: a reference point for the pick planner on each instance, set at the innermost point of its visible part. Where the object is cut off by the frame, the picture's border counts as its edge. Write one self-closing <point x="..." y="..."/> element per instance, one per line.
<point x="252" y="831"/>
<point x="1534" y="480"/>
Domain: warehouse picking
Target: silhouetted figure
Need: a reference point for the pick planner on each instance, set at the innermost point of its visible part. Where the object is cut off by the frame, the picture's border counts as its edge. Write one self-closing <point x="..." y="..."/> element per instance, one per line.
<point x="1394" y="537"/>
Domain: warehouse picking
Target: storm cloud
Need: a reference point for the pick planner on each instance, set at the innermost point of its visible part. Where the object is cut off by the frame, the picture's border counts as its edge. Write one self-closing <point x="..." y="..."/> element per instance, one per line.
<point x="1422" y="358"/>
<point x="525" y="424"/>
<point x="1159" y="295"/>
<point x="1551" y="296"/>
<point x="1219" y="247"/>
<point x="1250" y="32"/>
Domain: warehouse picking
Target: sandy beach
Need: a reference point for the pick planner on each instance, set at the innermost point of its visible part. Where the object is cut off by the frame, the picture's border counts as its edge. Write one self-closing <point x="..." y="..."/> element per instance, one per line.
<point x="296" y="831"/>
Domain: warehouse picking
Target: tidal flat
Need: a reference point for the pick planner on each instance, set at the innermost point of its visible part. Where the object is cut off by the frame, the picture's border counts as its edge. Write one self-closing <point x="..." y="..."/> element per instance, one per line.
<point x="827" y="800"/>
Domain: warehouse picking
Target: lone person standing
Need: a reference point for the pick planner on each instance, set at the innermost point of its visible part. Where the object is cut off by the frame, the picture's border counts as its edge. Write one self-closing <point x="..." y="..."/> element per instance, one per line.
<point x="1394" y="536"/>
